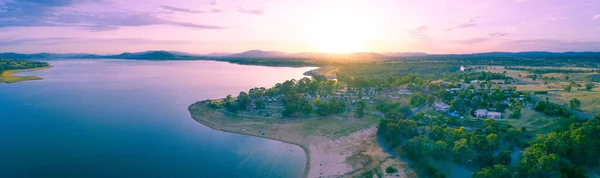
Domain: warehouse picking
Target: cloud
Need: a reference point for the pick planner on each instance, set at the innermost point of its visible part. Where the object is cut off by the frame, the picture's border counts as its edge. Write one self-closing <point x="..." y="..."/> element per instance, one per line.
<point x="470" y="23"/>
<point x="29" y="13"/>
<point x="177" y="9"/>
<point x="470" y="41"/>
<point x="497" y="34"/>
<point x="215" y="10"/>
<point x="60" y="40"/>
<point x="419" y="33"/>
<point x="552" y="45"/>
<point x="596" y="17"/>
<point x="252" y="11"/>
<point x="212" y="2"/>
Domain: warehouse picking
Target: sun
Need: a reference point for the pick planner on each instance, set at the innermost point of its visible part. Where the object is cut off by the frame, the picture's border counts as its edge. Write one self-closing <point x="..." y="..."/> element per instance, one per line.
<point x="340" y="28"/>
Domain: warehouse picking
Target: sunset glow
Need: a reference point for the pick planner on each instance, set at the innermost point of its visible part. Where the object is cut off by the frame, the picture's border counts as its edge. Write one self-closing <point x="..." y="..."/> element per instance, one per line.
<point x="336" y="26"/>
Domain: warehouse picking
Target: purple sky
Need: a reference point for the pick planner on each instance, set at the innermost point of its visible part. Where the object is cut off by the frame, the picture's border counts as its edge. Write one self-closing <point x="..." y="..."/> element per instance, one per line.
<point x="204" y="26"/>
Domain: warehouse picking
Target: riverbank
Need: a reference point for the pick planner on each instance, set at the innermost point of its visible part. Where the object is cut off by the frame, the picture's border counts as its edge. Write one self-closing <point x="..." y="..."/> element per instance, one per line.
<point x="9" y="77"/>
<point x="334" y="146"/>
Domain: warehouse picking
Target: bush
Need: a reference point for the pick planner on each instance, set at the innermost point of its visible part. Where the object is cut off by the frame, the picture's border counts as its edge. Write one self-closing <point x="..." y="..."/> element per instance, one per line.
<point x="390" y="170"/>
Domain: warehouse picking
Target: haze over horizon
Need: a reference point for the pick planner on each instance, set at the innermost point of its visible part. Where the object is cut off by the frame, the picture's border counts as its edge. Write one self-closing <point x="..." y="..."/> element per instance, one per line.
<point x="335" y="26"/>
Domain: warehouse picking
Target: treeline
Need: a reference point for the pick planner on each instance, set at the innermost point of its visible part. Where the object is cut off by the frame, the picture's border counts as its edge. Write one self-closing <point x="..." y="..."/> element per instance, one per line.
<point x="549" y="70"/>
<point x="6" y="64"/>
<point x="293" y="94"/>
<point x="563" y="153"/>
<point x="360" y="81"/>
<point x="552" y="109"/>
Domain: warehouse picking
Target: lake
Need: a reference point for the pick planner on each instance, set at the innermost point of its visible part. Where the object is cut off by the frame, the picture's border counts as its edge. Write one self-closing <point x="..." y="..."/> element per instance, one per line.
<point x="128" y="118"/>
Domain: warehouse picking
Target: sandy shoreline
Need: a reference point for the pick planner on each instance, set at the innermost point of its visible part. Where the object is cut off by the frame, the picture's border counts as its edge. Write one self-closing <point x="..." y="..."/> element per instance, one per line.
<point x="9" y="77"/>
<point x="347" y="155"/>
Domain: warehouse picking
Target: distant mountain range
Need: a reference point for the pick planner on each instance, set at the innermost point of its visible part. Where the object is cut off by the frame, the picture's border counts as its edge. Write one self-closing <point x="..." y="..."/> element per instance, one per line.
<point x="258" y="54"/>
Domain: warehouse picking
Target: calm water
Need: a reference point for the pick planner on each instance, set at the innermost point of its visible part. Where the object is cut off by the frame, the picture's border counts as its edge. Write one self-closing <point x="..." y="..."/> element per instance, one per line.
<point x="122" y="118"/>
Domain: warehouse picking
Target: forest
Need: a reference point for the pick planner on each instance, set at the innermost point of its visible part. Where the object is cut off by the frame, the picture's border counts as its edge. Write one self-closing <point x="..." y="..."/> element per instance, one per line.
<point x="6" y="64"/>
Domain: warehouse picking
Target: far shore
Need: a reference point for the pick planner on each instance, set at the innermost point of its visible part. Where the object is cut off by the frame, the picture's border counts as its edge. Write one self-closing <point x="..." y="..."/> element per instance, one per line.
<point x="334" y="146"/>
<point x="9" y="77"/>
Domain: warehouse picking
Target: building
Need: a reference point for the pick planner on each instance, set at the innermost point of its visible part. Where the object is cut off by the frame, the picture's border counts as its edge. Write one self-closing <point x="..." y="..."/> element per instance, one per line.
<point x="453" y="90"/>
<point x="441" y="106"/>
<point x="494" y="115"/>
<point x="475" y="81"/>
<point x="497" y="81"/>
<point x="481" y="113"/>
<point x="404" y="92"/>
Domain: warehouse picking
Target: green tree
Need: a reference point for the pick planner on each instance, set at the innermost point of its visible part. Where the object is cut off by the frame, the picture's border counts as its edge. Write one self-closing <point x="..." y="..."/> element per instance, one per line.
<point x="566" y="77"/>
<point x="574" y="103"/>
<point x="430" y="100"/>
<point x="567" y="88"/>
<point x="462" y="150"/>
<point x="496" y="171"/>
<point x="493" y="139"/>
<point x="490" y="126"/>
<point x="516" y="113"/>
<point x="243" y="101"/>
<point x="589" y="86"/>
<point x="360" y="109"/>
<point x="260" y="104"/>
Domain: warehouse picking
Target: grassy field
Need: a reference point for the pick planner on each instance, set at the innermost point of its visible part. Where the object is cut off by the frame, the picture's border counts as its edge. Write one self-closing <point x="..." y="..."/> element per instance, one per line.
<point x="590" y="100"/>
<point x="9" y="77"/>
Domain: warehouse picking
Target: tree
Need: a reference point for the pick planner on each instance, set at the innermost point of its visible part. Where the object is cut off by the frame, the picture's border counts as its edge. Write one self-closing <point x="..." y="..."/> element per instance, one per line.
<point x="574" y="103"/>
<point x="243" y="101"/>
<point x="567" y="88"/>
<point x="360" y="109"/>
<point x="589" y="86"/>
<point x="390" y="170"/>
<point x="492" y="139"/>
<point x="417" y="99"/>
<point x="566" y="77"/>
<point x="490" y="126"/>
<point x="260" y="104"/>
<point x="534" y="77"/>
<point x="496" y="171"/>
<point x="430" y="100"/>
<point x="462" y="150"/>
<point x="545" y="82"/>
<point x="516" y="113"/>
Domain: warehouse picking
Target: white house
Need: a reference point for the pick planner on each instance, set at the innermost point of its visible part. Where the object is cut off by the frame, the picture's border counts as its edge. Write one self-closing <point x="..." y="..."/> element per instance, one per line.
<point x="481" y="113"/>
<point x="441" y="106"/>
<point x="404" y="92"/>
<point x="494" y="115"/>
<point x="497" y="81"/>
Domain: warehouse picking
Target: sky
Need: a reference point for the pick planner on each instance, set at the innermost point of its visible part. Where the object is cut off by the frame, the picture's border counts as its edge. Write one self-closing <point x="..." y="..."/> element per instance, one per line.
<point x="336" y="26"/>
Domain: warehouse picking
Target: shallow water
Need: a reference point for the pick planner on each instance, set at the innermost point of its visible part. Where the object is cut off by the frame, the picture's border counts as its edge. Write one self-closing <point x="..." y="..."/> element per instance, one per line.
<point x="125" y="118"/>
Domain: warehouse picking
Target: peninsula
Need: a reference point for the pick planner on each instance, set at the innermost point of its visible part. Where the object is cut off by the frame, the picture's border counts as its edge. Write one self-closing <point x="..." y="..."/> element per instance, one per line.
<point x="338" y="140"/>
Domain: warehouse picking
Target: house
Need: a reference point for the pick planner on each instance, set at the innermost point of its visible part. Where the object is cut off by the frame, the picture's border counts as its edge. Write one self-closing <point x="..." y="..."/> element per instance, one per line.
<point x="453" y="90"/>
<point x="441" y="106"/>
<point x="481" y="113"/>
<point x="475" y="81"/>
<point x="494" y="115"/>
<point x="497" y="81"/>
<point x="404" y="92"/>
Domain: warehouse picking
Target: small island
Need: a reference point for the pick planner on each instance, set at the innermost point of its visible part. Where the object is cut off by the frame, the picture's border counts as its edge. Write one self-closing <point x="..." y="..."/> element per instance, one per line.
<point x="9" y="67"/>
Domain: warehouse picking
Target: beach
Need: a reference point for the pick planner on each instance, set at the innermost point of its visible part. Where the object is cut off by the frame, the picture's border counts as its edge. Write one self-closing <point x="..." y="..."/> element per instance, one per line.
<point x="334" y="146"/>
